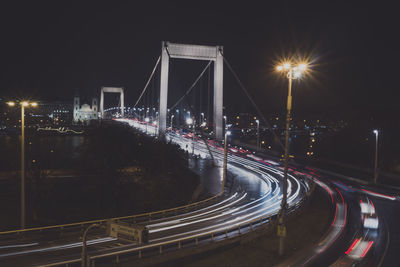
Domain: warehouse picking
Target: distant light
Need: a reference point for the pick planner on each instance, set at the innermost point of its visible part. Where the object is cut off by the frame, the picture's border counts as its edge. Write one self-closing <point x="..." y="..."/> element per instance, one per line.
<point x="286" y="66"/>
<point x="204" y="124"/>
<point x="24" y="103"/>
<point x="376" y="132"/>
<point x="279" y="68"/>
<point x="146" y="119"/>
<point x="11" y="103"/>
<point x="154" y="122"/>
<point x="297" y="74"/>
<point x="228" y="133"/>
<point x="189" y="120"/>
<point x="302" y="67"/>
<point x="34" y="104"/>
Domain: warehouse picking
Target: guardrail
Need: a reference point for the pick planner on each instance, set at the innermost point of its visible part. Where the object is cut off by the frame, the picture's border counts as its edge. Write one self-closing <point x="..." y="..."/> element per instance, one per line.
<point x="209" y="237"/>
<point x="134" y="218"/>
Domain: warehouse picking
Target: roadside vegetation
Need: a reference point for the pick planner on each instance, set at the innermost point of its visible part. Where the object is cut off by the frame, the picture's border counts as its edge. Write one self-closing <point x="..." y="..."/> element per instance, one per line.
<point x="117" y="172"/>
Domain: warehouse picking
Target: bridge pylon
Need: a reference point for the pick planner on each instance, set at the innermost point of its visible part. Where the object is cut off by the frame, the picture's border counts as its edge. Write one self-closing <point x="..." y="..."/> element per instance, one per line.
<point x="194" y="52"/>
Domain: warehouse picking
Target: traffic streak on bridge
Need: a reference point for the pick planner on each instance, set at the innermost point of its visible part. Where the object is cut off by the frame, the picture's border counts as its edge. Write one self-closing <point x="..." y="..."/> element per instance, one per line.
<point x="356" y="233"/>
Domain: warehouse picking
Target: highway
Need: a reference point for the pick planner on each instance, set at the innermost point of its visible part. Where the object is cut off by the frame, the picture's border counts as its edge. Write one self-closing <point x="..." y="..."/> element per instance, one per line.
<point x="257" y="194"/>
<point x="254" y="200"/>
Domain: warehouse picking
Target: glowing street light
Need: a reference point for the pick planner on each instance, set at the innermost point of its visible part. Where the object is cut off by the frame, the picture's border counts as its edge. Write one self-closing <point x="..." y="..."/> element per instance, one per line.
<point x="376" y="132"/>
<point x="172" y="119"/>
<point x="189" y="121"/>
<point x="292" y="72"/>
<point x="23" y="104"/>
<point x="258" y="134"/>
<point x="225" y="161"/>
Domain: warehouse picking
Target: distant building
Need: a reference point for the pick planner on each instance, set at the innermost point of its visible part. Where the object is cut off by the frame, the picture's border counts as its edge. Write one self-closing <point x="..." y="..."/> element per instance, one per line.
<point x="85" y="112"/>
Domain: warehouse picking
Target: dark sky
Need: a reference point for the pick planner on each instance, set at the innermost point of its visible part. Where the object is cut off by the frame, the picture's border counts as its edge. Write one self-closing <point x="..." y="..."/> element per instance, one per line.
<point x="51" y="49"/>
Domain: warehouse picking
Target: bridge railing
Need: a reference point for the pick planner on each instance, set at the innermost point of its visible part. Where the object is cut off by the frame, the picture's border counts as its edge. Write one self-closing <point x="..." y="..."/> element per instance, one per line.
<point x="143" y="217"/>
<point x="235" y="230"/>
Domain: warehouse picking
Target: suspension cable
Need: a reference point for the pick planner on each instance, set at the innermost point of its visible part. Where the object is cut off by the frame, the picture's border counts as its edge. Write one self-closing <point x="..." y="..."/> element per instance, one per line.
<point x="251" y="100"/>
<point x="192" y="86"/>
<point x="148" y="81"/>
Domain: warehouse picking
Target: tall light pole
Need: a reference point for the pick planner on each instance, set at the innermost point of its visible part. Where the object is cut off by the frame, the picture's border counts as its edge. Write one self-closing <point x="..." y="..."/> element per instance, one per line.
<point x="225" y="123"/>
<point x="85" y="260"/>
<point x="189" y="121"/>
<point x="258" y="134"/>
<point x="225" y="161"/>
<point x="202" y="118"/>
<point x="376" y="132"/>
<point x="23" y="104"/>
<point x="292" y="72"/>
<point x="172" y="119"/>
<point x="146" y="121"/>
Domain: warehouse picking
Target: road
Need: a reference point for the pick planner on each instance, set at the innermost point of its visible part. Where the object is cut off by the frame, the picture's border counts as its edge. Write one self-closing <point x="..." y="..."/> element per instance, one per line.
<point x="256" y="194"/>
<point x="253" y="193"/>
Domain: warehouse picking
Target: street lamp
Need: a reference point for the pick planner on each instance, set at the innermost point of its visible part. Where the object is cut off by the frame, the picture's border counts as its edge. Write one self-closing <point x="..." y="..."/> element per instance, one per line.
<point x="172" y="118"/>
<point x="376" y="132"/>
<point x="190" y="121"/>
<point x="202" y="118"/>
<point x="292" y="72"/>
<point x="225" y="123"/>
<point x="146" y="120"/>
<point x="258" y="134"/>
<point x="23" y="105"/>
<point x="225" y="161"/>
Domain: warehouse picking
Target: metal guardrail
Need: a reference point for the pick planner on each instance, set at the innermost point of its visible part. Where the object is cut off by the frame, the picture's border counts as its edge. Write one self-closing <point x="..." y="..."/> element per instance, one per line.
<point x="149" y="215"/>
<point x="178" y="242"/>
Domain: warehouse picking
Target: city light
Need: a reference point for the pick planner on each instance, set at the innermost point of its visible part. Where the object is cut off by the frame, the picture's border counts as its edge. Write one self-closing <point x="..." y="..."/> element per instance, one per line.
<point x="11" y="103"/>
<point x="146" y="119"/>
<point x="293" y="71"/>
<point x="189" y="121"/>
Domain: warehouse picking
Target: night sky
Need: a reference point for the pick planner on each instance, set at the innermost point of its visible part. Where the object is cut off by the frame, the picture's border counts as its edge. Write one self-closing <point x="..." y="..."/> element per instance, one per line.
<point x="49" y="50"/>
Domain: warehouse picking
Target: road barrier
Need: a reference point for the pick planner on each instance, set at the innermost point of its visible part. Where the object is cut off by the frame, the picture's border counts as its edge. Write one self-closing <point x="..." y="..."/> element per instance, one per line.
<point x="143" y="217"/>
<point x="226" y="233"/>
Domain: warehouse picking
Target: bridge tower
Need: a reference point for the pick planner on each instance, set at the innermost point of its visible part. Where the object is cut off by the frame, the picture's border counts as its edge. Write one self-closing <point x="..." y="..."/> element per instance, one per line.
<point x="194" y="52"/>
<point x="119" y="90"/>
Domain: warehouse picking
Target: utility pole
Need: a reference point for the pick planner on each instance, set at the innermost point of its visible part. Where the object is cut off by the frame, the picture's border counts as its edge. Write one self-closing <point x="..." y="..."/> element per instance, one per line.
<point x="376" y="132"/>
<point x="23" y="104"/>
<point x="225" y="165"/>
<point x="258" y="134"/>
<point x="85" y="260"/>
<point x="23" y="220"/>
<point x="291" y="73"/>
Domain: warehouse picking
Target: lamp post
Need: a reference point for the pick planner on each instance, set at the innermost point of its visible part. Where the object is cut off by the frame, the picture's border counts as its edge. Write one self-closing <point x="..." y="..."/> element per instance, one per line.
<point x="189" y="121"/>
<point x="376" y="132"/>
<point x="225" y="161"/>
<point x="292" y="72"/>
<point x="172" y="118"/>
<point x="23" y="104"/>
<point x="202" y="118"/>
<point x="85" y="260"/>
<point x="224" y="123"/>
<point x="146" y="121"/>
<point x="258" y="134"/>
